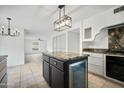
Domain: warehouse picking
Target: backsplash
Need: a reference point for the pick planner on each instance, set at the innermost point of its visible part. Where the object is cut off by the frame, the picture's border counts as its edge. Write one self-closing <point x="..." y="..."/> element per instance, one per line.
<point x="116" y="38"/>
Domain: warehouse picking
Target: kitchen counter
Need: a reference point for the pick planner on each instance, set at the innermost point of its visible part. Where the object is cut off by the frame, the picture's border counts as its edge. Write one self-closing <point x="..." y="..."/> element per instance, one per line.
<point x="104" y="51"/>
<point x="95" y="50"/>
<point x="65" y="56"/>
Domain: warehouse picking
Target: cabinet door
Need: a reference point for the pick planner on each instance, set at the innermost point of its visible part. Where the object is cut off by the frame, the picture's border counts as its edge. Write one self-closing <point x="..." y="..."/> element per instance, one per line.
<point x="57" y="78"/>
<point x="96" y="65"/>
<point x="46" y="71"/>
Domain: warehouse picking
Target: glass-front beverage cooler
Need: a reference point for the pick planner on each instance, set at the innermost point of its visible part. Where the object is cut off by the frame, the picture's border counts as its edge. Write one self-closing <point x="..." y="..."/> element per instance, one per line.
<point x="78" y="74"/>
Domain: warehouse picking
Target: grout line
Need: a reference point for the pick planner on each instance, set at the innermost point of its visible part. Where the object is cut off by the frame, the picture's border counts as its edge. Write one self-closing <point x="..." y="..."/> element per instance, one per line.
<point x="20" y="75"/>
<point x="104" y="84"/>
<point x="32" y="73"/>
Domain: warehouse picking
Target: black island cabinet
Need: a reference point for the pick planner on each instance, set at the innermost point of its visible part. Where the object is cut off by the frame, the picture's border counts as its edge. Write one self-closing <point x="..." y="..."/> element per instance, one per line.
<point x="65" y="70"/>
<point x="3" y="71"/>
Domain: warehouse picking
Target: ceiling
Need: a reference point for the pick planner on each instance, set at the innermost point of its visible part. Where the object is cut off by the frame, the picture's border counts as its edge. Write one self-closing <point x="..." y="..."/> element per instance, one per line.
<point x="36" y="19"/>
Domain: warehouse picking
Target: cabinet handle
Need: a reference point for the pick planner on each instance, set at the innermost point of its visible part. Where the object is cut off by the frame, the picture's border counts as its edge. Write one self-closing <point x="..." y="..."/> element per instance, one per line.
<point x="55" y="63"/>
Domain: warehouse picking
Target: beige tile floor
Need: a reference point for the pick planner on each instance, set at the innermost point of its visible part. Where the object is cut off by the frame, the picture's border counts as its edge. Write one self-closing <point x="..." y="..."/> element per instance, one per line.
<point x="30" y="76"/>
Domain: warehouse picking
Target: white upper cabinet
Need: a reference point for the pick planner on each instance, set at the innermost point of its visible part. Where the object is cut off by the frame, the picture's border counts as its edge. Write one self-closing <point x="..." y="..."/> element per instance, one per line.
<point x="101" y="21"/>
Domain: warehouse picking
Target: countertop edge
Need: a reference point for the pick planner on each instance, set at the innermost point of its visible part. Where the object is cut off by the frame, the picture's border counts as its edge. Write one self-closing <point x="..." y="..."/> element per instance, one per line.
<point x="107" y="53"/>
<point x="62" y="59"/>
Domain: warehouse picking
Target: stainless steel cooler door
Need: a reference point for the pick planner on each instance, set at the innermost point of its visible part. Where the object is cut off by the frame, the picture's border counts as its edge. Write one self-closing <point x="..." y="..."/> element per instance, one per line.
<point x="78" y="74"/>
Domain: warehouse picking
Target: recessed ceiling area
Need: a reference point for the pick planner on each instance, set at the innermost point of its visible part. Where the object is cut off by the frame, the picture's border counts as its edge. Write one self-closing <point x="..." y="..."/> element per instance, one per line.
<point x="38" y="19"/>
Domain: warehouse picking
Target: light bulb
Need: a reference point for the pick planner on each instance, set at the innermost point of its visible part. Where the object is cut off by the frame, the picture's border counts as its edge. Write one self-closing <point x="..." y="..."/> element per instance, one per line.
<point x="16" y="29"/>
<point x="60" y="24"/>
<point x="63" y="23"/>
<point x="57" y="25"/>
<point x="3" y="27"/>
<point x="67" y="22"/>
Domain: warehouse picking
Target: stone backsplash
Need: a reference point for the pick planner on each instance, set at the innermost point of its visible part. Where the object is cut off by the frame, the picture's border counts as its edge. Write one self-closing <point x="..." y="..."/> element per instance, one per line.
<point x="116" y="38"/>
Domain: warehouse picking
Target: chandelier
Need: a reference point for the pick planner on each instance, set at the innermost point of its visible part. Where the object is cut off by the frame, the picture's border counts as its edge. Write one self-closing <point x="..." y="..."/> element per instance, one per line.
<point x="8" y="32"/>
<point x="64" y="21"/>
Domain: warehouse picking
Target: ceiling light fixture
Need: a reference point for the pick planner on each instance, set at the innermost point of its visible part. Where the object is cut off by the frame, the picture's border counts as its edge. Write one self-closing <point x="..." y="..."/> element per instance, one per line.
<point x="9" y="33"/>
<point x="64" y="22"/>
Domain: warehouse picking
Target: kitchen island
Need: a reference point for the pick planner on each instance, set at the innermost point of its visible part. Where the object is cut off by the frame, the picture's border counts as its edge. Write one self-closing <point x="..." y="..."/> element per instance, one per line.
<point x="64" y="70"/>
<point x="3" y="71"/>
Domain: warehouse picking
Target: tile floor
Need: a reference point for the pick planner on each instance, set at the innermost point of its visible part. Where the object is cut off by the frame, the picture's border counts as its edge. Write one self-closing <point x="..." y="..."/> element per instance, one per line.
<point x="30" y="76"/>
<point x="26" y="76"/>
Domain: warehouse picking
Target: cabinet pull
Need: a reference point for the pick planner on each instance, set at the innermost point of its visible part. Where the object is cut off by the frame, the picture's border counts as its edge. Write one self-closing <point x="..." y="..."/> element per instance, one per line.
<point x="55" y="63"/>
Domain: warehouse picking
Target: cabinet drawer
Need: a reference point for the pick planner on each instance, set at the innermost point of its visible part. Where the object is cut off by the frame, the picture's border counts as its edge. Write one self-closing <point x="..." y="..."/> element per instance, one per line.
<point x="97" y="55"/>
<point x="96" y="61"/>
<point x="56" y="63"/>
<point x="3" y="64"/>
<point x="96" y="69"/>
<point x="46" y="58"/>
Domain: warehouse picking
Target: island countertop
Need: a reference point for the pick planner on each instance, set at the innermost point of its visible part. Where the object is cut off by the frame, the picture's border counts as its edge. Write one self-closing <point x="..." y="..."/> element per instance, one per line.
<point x="66" y="55"/>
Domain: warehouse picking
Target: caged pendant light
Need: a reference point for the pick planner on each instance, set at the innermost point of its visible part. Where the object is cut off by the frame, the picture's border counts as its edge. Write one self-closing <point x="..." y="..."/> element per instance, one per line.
<point x="64" y="21"/>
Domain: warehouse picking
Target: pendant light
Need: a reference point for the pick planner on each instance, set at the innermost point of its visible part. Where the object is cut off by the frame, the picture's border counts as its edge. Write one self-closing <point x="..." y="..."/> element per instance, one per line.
<point x="15" y="33"/>
<point x="64" y="21"/>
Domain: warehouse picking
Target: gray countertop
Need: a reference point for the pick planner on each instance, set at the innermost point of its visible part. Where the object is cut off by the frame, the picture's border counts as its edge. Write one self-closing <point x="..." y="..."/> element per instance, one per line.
<point x="3" y="57"/>
<point x="106" y="52"/>
<point x="66" y="55"/>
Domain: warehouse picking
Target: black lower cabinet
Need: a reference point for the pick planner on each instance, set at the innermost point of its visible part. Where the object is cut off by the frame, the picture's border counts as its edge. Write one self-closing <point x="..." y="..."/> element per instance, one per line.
<point x="57" y="77"/>
<point x="65" y="73"/>
<point x="46" y="71"/>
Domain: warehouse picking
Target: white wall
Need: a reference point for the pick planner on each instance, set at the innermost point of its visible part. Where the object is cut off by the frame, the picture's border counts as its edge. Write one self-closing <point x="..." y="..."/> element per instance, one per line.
<point x="99" y="24"/>
<point x="14" y="48"/>
<point x="100" y="42"/>
<point x="103" y="20"/>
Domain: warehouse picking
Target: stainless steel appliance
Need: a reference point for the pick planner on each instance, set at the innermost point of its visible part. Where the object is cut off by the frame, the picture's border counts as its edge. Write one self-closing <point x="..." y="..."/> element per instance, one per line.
<point x="78" y="74"/>
<point x="115" y="67"/>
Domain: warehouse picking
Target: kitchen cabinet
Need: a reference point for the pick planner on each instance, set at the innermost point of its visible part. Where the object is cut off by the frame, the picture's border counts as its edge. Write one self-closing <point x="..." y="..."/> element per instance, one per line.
<point x="57" y="77"/>
<point x="96" y="63"/>
<point x="63" y="71"/>
<point x="46" y="71"/>
<point x="53" y="72"/>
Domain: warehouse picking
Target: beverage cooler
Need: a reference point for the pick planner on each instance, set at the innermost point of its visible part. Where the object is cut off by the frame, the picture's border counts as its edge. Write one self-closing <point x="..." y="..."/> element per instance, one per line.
<point x="78" y="77"/>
